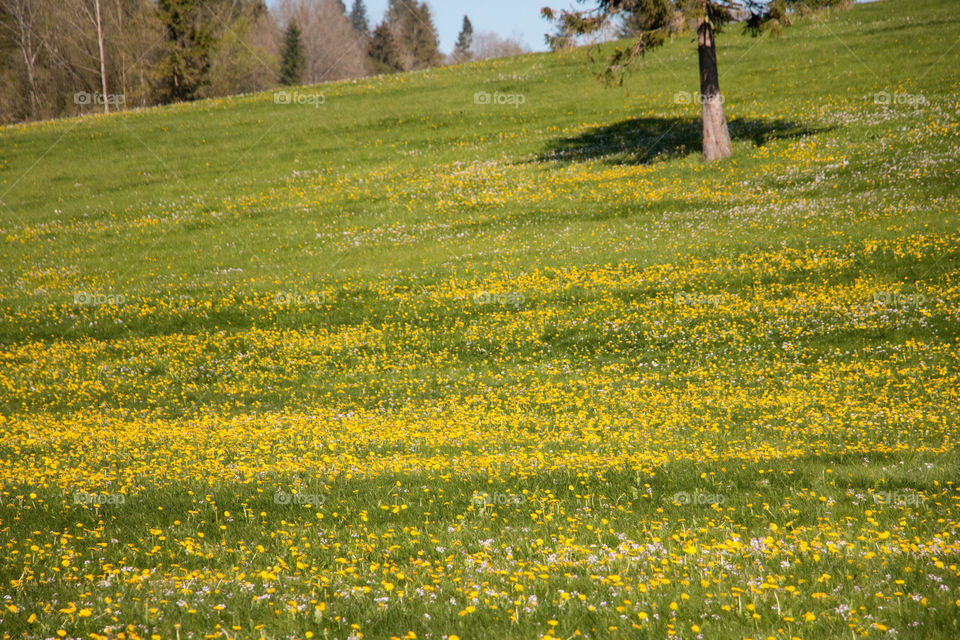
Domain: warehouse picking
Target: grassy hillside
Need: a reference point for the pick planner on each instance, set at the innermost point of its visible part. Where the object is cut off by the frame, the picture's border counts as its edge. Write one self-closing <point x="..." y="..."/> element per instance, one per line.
<point x="382" y="359"/>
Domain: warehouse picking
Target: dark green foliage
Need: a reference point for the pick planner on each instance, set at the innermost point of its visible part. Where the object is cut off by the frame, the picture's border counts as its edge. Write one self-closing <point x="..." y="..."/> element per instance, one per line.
<point x="416" y="38"/>
<point x="651" y="22"/>
<point x="425" y="46"/>
<point x="189" y="43"/>
<point x="461" y="50"/>
<point x="292" y="58"/>
<point x="358" y="18"/>
<point x="646" y="16"/>
<point x="383" y="51"/>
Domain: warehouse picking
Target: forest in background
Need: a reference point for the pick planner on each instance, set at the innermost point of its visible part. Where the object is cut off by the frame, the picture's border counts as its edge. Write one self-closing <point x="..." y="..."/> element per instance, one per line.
<point x="71" y="57"/>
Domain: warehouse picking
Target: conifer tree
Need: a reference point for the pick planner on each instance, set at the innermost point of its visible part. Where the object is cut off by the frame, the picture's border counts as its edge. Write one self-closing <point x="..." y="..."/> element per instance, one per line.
<point x="292" y="58"/>
<point x="414" y="34"/>
<point x="358" y="18"/>
<point x="383" y="51"/>
<point x="189" y="43"/>
<point x="461" y="51"/>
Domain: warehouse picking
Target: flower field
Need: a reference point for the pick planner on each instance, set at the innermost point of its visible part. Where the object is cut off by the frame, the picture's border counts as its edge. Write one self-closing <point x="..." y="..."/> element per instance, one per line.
<point x="403" y="365"/>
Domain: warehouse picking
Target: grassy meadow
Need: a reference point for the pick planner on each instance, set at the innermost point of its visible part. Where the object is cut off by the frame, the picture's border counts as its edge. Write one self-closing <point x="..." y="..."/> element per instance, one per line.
<point x="487" y="351"/>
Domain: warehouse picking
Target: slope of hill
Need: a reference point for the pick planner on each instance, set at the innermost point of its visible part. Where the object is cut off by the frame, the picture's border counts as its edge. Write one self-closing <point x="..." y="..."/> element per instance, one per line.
<point x="487" y="351"/>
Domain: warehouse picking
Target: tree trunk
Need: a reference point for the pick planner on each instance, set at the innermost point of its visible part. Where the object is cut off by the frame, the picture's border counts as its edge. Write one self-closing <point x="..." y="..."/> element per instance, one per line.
<point x="103" y="63"/>
<point x="30" y="59"/>
<point x="716" y="138"/>
<point x="123" y="53"/>
<point x="21" y="13"/>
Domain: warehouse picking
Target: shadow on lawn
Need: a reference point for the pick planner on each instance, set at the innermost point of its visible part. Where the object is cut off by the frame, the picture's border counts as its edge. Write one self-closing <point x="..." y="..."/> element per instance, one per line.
<point x="646" y="140"/>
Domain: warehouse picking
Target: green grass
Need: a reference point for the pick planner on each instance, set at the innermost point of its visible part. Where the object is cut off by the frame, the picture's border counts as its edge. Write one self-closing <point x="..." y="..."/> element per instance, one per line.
<point x="509" y="352"/>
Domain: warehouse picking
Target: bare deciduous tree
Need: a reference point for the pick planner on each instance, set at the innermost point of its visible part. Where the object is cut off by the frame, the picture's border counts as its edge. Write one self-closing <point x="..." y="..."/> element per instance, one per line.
<point x="22" y="18"/>
<point x="332" y="48"/>
<point x="244" y="58"/>
<point x="488" y="44"/>
<point x="92" y="10"/>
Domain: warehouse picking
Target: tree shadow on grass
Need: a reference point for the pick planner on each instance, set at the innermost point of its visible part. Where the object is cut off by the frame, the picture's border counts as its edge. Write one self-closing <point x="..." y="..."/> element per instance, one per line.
<point x="647" y="140"/>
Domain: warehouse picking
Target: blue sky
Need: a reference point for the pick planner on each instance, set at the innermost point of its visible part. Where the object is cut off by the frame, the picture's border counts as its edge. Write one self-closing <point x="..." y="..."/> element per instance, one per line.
<point x="517" y="18"/>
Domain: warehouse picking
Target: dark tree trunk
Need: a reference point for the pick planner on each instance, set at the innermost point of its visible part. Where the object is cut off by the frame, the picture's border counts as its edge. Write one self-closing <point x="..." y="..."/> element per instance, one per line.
<point x="716" y="138"/>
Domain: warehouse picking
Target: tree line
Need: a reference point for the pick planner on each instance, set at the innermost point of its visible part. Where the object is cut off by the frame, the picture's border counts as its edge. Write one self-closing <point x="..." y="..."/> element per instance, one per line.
<point x="79" y="56"/>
